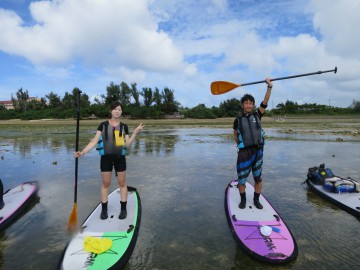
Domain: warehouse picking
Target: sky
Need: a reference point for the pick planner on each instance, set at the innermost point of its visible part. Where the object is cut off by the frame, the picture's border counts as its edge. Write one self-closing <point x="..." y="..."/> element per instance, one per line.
<point x="55" y="46"/>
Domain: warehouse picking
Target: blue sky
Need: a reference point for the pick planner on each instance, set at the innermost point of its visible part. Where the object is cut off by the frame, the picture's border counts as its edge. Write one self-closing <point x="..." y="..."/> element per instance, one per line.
<point x="54" y="46"/>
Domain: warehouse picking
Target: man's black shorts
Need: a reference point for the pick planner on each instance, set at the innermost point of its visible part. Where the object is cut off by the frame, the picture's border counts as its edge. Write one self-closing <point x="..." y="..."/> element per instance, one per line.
<point x="108" y="162"/>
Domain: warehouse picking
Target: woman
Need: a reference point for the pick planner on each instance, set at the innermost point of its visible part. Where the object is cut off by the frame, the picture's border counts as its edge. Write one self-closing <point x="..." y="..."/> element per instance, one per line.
<point x="112" y="138"/>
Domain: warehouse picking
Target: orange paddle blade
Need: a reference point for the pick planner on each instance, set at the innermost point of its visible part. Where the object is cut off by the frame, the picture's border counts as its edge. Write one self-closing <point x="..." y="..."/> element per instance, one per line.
<point x="72" y="224"/>
<point x="221" y="87"/>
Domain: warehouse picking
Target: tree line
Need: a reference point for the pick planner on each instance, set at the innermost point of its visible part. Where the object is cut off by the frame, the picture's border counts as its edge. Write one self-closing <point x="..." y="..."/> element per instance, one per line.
<point x="144" y="103"/>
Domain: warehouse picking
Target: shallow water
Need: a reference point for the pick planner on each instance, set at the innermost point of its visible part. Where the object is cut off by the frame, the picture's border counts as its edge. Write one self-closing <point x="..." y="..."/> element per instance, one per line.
<point x="181" y="175"/>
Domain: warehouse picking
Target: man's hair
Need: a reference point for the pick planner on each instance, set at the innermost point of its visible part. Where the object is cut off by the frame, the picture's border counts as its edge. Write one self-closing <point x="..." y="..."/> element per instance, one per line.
<point x="247" y="97"/>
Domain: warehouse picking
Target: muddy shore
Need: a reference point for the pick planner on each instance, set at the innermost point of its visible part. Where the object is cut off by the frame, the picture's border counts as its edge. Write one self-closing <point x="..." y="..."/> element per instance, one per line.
<point x="346" y="125"/>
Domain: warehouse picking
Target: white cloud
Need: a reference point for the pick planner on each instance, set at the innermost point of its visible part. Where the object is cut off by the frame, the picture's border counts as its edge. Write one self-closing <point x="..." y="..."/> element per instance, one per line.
<point x="185" y="45"/>
<point x="337" y="21"/>
<point x="114" y="33"/>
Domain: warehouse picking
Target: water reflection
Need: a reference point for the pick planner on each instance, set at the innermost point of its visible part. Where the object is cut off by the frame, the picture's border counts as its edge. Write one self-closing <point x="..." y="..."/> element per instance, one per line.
<point x="27" y="146"/>
<point x="152" y="143"/>
<point x="181" y="175"/>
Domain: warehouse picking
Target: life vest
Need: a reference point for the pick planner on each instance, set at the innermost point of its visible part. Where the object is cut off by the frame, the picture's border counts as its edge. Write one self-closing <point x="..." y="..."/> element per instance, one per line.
<point x="249" y="131"/>
<point x="115" y="145"/>
<point x="338" y="184"/>
<point x="318" y="175"/>
<point x="325" y="177"/>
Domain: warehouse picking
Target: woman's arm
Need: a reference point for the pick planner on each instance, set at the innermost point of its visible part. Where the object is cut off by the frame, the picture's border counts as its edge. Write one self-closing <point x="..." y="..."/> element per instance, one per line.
<point x="94" y="141"/>
<point x="129" y="140"/>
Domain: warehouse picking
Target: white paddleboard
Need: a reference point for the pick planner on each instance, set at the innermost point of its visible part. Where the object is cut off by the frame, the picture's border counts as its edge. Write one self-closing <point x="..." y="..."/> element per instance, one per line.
<point x="122" y="233"/>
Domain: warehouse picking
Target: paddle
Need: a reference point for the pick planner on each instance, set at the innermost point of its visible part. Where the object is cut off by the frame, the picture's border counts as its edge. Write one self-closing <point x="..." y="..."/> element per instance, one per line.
<point x="221" y="87"/>
<point x="72" y="224"/>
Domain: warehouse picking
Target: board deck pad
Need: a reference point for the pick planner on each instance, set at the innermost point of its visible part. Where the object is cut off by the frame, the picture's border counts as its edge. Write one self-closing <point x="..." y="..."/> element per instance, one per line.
<point x="122" y="233"/>
<point x="279" y="247"/>
<point x="348" y="201"/>
<point x="16" y="201"/>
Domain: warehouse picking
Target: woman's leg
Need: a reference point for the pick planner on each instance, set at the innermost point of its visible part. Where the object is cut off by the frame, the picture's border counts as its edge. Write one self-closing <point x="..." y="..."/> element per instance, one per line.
<point x="106" y="181"/>
<point x="106" y="177"/>
<point x="121" y="177"/>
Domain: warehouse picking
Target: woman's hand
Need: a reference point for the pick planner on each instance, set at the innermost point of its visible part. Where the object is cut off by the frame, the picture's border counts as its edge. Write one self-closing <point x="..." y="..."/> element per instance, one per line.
<point x="79" y="154"/>
<point x="139" y="128"/>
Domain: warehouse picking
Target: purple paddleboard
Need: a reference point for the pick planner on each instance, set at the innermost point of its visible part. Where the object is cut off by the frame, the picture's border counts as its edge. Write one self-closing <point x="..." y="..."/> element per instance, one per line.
<point x="16" y="201"/>
<point x="261" y="233"/>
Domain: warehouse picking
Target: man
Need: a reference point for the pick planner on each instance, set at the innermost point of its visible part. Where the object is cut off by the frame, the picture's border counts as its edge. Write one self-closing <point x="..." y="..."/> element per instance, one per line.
<point x="250" y="141"/>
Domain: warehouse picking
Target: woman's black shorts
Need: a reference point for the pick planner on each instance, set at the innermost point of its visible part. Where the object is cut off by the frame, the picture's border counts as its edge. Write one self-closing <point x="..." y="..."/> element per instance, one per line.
<point x="108" y="162"/>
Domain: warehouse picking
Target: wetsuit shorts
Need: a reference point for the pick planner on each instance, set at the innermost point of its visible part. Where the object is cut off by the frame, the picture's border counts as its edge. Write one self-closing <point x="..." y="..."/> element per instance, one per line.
<point x="249" y="159"/>
<point x="108" y="162"/>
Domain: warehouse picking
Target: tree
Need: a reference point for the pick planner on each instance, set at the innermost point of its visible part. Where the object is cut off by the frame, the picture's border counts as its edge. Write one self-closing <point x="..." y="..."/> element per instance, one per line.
<point x="112" y="94"/>
<point x="69" y="101"/>
<point x="356" y="107"/>
<point x="201" y="112"/>
<point x="135" y="94"/>
<point x="157" y="97"/>
<point x="21" y="101"/>
<point x="230" y="107"/>
<point x="147" y="95"/>
<point x="125" y="94"/>
<point x="84" y="99"/>
<point x="99" y="101"/>
<point x="36" y="104"/>
<point x="169" y="104"/>
<point x="54" y="100"/>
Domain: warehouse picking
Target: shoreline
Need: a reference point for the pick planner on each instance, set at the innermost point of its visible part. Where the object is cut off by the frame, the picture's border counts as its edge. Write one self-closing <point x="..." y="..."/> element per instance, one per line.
<point x="347" y="125"/>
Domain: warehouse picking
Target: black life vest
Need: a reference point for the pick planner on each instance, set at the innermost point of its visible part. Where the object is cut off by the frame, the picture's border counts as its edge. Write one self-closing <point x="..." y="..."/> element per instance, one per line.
<point x="249" y="131"/>
<point x="115" y="145"/>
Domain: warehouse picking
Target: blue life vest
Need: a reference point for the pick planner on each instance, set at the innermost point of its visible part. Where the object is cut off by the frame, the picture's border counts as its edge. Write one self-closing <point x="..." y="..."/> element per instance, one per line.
<point x="249" y="131"/>
<point x="114" y="146"/>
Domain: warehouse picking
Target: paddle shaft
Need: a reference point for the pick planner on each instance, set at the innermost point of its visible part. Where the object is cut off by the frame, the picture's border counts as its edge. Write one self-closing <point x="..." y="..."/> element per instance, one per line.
<point x="293" y="76"/>
<point x="77" y="142"/>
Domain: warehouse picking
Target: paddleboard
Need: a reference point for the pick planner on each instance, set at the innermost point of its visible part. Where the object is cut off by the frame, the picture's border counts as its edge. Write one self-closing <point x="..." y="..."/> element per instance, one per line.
<point x="261" y="233"/>
<point x="348" y="201"/>
<point x="115" y="238"/>
<point x="16" y="202"/>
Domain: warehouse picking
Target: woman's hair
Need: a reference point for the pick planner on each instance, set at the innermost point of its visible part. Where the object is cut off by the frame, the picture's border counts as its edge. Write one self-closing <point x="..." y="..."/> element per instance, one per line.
<point x="247" y="97"/>
<point x="114" y="105"/>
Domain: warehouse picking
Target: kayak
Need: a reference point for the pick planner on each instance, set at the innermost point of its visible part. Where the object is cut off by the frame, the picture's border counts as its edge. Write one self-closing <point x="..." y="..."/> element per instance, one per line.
<point x="348" y="201"/>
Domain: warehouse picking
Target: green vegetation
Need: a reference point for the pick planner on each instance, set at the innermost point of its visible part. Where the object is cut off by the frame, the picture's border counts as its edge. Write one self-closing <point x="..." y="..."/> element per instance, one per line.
<point x="295" y="109"/>
<point x="154" y="104"/>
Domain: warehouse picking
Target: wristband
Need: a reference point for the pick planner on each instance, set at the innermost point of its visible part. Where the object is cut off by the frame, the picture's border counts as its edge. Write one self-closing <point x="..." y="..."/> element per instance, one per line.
<point x="262" y="105"/>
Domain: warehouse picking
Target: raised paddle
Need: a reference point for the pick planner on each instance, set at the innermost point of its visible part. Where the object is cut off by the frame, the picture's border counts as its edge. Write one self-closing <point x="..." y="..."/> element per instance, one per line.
<point x="72" y="224"/>
<point x="221" y="87"/>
